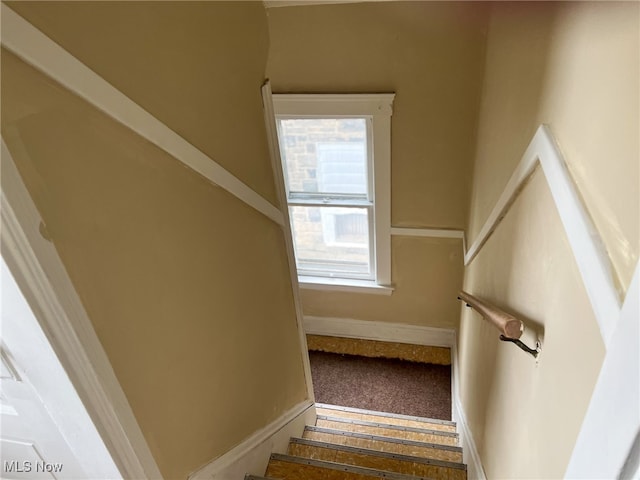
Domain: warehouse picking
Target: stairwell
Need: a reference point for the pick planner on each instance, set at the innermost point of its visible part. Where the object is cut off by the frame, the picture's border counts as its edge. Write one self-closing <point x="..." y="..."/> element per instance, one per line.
<point x="355" y="444"/>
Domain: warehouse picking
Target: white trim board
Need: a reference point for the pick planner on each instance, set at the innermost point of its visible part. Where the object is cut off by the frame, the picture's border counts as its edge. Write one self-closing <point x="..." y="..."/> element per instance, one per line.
<point x="302" y="3"/>
<point x="381" y="331"/>
<point x="278" y="175"/>
<point x="252" y="455"/>
<point x="431" y="233"/>
<point x="331" y="104"/>
<point x="427" y="232"/>
<point x="42" y="277"/>
<point x="586" y="245"/>
<point x="612" y="420"/>
<point x="344" y="285"/>
<point x="35" y="48"/>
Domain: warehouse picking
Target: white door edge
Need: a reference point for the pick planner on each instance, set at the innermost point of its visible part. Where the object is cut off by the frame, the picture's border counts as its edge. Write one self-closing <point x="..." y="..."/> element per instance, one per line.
<point x="42" y="278"/>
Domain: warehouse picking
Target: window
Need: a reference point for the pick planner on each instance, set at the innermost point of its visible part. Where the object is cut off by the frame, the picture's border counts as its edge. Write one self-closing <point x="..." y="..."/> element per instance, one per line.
<point x="335" y="153"/>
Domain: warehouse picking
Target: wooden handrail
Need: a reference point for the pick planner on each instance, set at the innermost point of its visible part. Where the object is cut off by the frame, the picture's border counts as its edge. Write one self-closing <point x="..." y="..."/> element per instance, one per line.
<point x="509" y="326"/>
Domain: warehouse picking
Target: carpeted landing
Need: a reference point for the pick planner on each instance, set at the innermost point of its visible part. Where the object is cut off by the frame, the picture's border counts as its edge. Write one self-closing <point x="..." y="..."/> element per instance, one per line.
<point x="387" y="385"/>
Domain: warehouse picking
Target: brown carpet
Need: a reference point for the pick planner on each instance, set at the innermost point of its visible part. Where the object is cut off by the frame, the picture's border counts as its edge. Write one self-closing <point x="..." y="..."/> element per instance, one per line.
<point x="382" y="384"/>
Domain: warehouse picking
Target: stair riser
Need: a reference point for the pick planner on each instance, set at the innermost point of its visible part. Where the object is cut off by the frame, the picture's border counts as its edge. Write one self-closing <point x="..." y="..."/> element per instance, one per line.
<point x="388" y="432"/>
<point x="384" y="419"/>
<point x="289" y="471"/>
<point x="284" y="470"/>
<point x="382" y="446"/>
<point x="375" y="349"/>
<point x="378" y="462"/>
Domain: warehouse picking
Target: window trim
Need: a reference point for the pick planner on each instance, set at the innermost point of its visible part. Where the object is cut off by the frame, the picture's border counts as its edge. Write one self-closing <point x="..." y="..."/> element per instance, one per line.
<point x="378" y="108"/>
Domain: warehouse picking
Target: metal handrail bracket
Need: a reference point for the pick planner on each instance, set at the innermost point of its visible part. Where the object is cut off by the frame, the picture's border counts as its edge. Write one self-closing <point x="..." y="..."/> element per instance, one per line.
<point x="511" y="329"/>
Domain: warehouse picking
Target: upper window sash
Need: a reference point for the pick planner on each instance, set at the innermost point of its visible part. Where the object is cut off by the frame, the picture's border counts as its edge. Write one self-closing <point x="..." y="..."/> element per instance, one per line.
<point x="359" y="105"/>
<point x="369" y="146"/>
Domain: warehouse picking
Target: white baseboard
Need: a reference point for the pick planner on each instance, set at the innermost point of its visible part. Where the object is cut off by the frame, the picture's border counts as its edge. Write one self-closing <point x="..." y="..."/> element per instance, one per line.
<point x="470" y="454"/>
<point x="381" y="331"/>
<point x="252" y="455"/>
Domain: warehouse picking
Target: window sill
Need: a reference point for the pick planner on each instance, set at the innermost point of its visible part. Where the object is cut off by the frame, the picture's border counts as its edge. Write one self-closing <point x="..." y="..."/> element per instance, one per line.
<point x="344" y="285"/>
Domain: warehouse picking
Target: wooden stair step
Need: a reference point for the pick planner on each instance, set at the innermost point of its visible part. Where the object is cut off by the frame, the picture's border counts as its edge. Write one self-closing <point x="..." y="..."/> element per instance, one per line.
<point x="386" y="430"/>
<point x="384" y="417"/>
<point x="287" y="467"/>
<point x="390" y="462"/>
<point x="385" y="444"/>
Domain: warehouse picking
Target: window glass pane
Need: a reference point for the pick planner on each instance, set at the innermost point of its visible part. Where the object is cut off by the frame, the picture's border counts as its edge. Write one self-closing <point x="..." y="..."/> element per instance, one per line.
<point x="331" y="241"/>
<point x="325" y="155"/>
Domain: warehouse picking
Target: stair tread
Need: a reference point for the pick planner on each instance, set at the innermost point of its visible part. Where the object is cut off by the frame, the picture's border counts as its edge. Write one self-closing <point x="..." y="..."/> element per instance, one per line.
<point x="385" y="462"/>
<point x="422" y="435"/>
<point x="418" y="443"/>
<point x="322" y="464"/>
<point x="387" y="425"/>
<point x="377" y="413"/>
<point x="359" y="444"/>
<point x="378" y="453"/>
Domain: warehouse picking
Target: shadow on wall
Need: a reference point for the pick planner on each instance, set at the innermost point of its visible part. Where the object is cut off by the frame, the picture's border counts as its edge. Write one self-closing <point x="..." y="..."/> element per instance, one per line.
<point x="530" y="28"/>
<point x="513" y="87"/>
<point x="572" y="66"/>
<point x="521" y="68"/>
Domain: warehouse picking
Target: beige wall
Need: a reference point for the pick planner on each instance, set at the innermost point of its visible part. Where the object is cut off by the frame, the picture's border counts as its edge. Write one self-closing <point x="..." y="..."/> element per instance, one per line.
<point x="575" y="67"/>
<point x="187" y="288"/>
<point x="430" y="54"/>
<point x="193" y="65"/>
<point x="427" y="274"/>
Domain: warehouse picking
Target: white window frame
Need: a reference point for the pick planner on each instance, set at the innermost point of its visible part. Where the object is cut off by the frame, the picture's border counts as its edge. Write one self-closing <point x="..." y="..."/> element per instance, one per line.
<point x="377" y="109"/>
